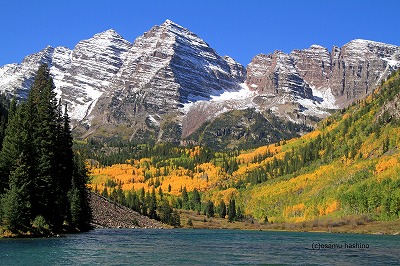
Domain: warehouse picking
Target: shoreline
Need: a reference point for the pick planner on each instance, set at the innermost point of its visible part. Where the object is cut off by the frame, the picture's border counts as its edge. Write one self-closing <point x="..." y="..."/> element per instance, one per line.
<point x="361" y="230"/>
<point x="346" y="225"/>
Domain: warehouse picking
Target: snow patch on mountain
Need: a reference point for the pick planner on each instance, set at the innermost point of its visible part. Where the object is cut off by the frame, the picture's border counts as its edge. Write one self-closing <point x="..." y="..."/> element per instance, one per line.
<point x="323" y="98"/>
<point x="229" y="100"/>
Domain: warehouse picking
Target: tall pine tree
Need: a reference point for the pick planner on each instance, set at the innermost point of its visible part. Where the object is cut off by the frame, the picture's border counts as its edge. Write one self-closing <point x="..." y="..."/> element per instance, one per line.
<point x="42" y="107"/>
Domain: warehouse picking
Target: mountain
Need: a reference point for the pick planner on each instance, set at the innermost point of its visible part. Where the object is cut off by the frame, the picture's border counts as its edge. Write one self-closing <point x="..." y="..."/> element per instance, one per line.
<point x="164" y="69"/>
<point x="315" y="79"/>
<point x="169" y="83"/>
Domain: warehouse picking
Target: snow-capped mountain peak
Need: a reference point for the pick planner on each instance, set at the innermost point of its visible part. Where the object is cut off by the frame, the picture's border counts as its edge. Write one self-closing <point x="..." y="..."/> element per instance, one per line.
<point x="169" y="81"/>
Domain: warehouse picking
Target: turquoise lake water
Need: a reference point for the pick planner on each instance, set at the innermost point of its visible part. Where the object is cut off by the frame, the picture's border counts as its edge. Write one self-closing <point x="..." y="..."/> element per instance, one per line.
<point x="201" y="247"/>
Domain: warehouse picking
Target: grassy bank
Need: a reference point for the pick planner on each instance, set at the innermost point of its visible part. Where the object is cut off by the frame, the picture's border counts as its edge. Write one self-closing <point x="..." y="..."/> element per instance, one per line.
<point x="351" y="224"/>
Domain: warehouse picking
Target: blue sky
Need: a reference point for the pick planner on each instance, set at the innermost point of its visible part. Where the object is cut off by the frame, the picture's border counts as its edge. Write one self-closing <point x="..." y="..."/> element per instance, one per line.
<point x="240" y="29"/>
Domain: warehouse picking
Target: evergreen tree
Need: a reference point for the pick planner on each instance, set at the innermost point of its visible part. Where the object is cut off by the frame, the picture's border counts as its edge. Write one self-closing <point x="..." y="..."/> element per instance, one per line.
<point x="165" y="212"/>
<point x="143" y="202"/>
<point x="16" y="142"/>
<point x="185" y="199"/>
<point x="64" y="163"/>
<point x="153" y="205"/>
<point x="14" y="208"/>
<point x="160" y="193"/>
<point x="104" y="193"/>
<point x="196" y="200"/>
<point x="44" y="118"/>
<point x="15" y="171"/>
<point x="5" y="107"/>
<point x="232" y="210"/>
<point x="120" y="195"/>
<point x="175" y="219"/>
<point x="222" y="209"/>
<point x="15" y="204"/>
<point x="79" y="194"/>
<point x="210" y="209"/>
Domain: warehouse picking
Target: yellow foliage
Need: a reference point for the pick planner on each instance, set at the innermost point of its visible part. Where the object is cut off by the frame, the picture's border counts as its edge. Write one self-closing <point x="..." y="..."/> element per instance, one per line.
<point x="332" y="207"/>
<point x="346" y="115"/>
<point x="294" y="210"/>
<point x="225" y="195"/>
<point x="194" y="152"/>
<point x="249" y="156"/>
<point x="311" y="135"/>
<point x="385" y="164"/>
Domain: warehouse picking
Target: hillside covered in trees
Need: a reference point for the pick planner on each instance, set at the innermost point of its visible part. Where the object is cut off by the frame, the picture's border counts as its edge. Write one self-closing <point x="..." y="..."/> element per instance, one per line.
<point x="43" y="183"/>
<point x="348" y="166"/>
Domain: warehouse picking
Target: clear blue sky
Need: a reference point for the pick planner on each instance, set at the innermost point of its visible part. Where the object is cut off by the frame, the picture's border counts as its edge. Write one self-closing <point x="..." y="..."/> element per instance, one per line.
<point x="240" y="29"/>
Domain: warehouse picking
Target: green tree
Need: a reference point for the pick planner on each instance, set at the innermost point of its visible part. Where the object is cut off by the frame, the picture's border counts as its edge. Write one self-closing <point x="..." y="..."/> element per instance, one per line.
<point x="64" y="163"/>
<point x="79" y="196"/>
<point x="143" y="202"/>
<point x="44" y="126"/>
<point x="175" y="219"/>
<point x="160" y="193"/>
<point x="222" y="209"/>
<point x="153" y="205"/>
<point x="16" y="142"/>
<point x="104" y="193"/>
<point x="195" y="203"/>
<point x="210" y="209"/>
<point x="15" y="204"/>
<point x="4" y="109"/>
<point x="14" y="209"/>
<point x="185" y="199"/>
<point x="165" y="212"/>
<point x="120" y="195"/>
<point x="232" y="210"/>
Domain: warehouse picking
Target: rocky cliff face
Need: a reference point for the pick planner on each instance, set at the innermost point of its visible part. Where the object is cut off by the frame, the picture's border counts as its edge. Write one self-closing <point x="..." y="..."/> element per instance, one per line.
<point x="275" y="74"/>
<point x="359" y="66"/>
<point x="169" y="82"/>
<point x="88" y="71"/>
<point x="165" y="68"/>
<point x="336" y="78"/>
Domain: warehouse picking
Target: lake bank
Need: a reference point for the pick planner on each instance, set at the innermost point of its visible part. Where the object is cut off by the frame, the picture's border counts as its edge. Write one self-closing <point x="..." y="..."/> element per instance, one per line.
<point x="355" y="225"/>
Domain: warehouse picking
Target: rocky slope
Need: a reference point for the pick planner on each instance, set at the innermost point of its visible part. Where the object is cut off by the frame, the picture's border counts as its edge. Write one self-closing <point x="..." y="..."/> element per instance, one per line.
<point x="169" y="82"/>
<point x="107" y="214"/>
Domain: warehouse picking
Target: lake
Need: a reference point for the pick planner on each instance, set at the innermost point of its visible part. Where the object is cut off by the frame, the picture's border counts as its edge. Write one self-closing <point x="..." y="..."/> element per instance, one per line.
<point x="201" y="247"/>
